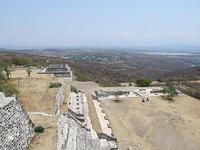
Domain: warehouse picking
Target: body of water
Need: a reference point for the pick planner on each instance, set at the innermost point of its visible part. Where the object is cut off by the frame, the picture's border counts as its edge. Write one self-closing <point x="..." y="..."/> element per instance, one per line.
<point x="166" y="53"/>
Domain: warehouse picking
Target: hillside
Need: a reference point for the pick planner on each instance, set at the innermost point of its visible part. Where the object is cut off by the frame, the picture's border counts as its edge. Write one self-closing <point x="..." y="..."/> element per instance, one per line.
<point x="192" y="73"/>
<point x="108" y="68"/>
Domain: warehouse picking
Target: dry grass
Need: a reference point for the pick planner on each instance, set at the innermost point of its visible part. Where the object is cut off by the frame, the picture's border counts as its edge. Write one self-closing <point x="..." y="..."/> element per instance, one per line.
<point x="47" y="139"/>
<point x="32" y="89"/>
<point x="93" y="115"/>
<point x="156" y="124"/>
<point x="36" y="96"/>
<point x="88" y="88"/>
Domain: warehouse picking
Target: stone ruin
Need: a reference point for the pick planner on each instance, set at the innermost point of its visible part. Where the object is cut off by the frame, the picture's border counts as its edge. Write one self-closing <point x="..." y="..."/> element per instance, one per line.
<point x="75" y="133"/>
<point x="60" y="97"/>
<point x="78" y="109"/>
<point x="107" y="93"/>
<point x="59" y="70"/>
<point x="16" y="128"/>
<point x="74" y="136"/>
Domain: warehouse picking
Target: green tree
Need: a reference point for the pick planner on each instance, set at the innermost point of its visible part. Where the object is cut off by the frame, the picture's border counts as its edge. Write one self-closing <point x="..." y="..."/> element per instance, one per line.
<point x="8" y="89"/>
<point x="170" y="91"/>
<point x="23" y="61"/>
<point x="117" y="94"/>
<point x="8" y="72"/>
<point x="28" y="71"/>
<point x="143" y="82"/>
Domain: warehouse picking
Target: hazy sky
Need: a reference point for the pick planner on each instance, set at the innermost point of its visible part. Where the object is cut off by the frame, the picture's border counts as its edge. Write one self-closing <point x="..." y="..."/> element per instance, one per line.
<point x="66" y="23"/>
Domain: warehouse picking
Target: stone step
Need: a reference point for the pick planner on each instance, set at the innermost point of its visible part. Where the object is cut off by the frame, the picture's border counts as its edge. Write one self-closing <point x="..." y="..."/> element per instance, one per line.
<point x="72" y="134"/>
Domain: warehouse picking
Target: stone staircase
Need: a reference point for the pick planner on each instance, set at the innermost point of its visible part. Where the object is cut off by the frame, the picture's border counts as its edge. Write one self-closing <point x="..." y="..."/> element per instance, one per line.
<point x="73" y="136"/>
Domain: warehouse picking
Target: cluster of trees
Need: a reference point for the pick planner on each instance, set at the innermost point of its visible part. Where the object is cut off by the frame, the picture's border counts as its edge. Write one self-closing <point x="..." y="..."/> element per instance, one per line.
<point x="23" y="61"/>
<point x="143" y="82"/>
<point x="7" y="88"/>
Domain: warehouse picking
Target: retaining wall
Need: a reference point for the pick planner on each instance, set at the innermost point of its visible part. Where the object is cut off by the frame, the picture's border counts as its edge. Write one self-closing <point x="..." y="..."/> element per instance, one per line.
<point x="16" y="128"/>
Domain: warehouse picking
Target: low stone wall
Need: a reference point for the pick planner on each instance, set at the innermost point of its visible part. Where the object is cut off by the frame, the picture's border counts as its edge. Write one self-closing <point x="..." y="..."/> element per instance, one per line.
<point x="60" y="97"/>
<point x="16" y="128"/>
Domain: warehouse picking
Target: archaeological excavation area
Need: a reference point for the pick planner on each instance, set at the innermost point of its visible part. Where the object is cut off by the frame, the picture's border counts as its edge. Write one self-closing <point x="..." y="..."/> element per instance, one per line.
<point x="84" y="116"/>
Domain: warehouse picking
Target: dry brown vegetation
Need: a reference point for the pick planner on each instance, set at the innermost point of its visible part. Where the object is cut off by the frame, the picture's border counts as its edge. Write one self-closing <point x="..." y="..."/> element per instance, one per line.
<point x="191" y="88"/>
<point x="122" y="67"/>
<point x="47" y="139"/>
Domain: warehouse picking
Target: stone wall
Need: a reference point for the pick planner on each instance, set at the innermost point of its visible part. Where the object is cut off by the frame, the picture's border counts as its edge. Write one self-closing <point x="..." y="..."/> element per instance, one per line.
<point x="73" y="136"/>
<point x="16" y="128"/>
<point x="60" y="97"/>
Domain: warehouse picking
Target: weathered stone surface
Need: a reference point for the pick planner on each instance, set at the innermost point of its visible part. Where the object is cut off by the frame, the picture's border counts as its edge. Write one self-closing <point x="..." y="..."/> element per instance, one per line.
<point x="73" y="136"/>
<point x="16" y="128"/>
<point x="59" y="70"/>
<point x="60" y="97"/>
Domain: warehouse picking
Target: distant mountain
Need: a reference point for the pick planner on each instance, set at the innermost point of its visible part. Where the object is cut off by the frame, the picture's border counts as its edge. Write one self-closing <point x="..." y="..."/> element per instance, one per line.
<point x="127" y="68"/>
<point x="7" y="50"/>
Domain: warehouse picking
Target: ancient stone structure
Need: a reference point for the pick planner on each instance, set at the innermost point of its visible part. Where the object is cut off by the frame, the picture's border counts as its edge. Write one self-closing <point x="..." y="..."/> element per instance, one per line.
<point x="16" y="128"/>
<point x="107" y="138"/>
<point x="59" y="70"/>
<point x="78" y="108"/>
<point x="60" y="97"/>
<point x="107" y="93"/>
<point x="73" y="136"/>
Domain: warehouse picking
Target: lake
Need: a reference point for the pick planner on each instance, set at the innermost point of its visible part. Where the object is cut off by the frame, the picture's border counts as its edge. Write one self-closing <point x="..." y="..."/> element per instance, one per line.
<point x="166" y="53"/>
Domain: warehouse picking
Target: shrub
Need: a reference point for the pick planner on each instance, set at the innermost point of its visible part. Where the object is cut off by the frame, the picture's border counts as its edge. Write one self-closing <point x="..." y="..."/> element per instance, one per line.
<point x="39" y="129"/>
<point x="8" y="89"/>
<point x="159" y="80"/>
<point x="54" y="85"/>
<point x="28" y="71"/>
<point x="2" y="76"/>
<point x="143" y="82"/>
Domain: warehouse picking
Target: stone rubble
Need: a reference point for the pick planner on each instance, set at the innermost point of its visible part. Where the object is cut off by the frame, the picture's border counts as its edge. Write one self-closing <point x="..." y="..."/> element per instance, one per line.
<point x="16" y="128"/>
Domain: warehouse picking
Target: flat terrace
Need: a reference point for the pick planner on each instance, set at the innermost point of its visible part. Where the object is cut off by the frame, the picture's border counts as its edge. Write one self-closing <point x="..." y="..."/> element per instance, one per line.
<point x="156" y="124"/>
